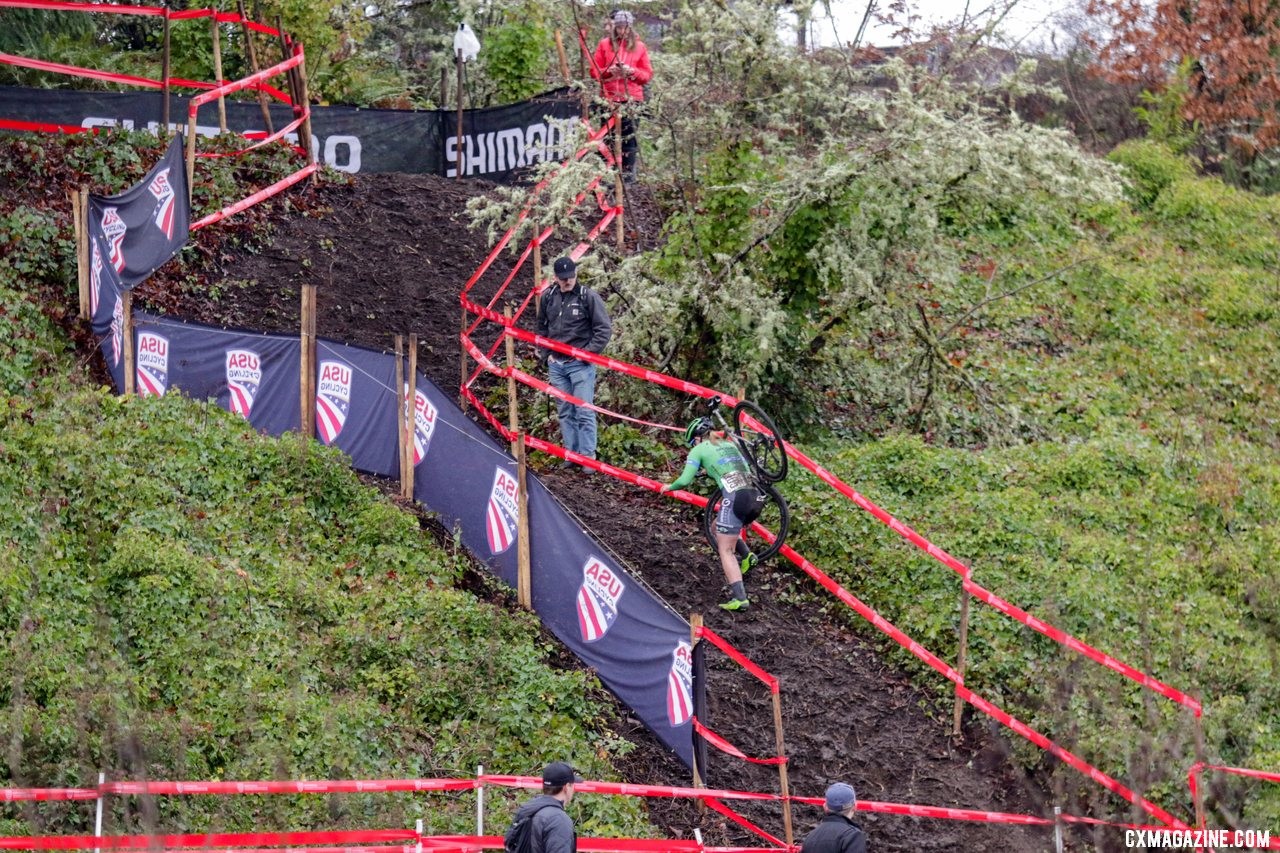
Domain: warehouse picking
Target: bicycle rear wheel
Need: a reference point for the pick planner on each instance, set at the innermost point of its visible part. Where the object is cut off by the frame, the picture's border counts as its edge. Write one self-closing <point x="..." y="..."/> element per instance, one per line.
<point x="776" y="518"/>
<point x="763" y="441"/>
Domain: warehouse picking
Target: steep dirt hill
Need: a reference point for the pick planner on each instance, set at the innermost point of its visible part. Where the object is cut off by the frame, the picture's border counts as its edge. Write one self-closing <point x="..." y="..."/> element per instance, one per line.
<point x="390" y="254"/>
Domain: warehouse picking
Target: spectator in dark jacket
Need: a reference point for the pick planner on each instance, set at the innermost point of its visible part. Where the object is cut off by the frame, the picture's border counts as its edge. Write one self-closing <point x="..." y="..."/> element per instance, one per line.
<point x="837" y="833"/>
<point x="552" y="829"/>
<point x="575" y="315"/>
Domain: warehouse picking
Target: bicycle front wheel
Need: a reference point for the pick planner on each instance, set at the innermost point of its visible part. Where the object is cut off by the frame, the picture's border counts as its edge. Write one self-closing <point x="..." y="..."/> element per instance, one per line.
<point x="775" y="517"/>
<point x="763" y="441"/>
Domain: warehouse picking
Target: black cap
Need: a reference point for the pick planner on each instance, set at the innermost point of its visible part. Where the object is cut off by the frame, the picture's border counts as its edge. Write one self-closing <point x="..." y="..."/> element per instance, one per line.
<point x="565" y="268"/>
<point x="557" y="772"/>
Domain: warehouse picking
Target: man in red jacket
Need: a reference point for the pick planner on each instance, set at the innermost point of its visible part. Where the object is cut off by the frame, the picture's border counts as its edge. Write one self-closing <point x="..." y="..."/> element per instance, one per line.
<point x="621" y="64"/>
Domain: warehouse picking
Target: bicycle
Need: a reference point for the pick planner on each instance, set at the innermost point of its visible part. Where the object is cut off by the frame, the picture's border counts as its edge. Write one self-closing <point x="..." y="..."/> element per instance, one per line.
<point x="761" y="445"/>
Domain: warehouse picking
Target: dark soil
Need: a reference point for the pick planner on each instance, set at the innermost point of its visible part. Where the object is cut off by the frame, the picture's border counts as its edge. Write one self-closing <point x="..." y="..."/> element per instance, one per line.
<point x="390" y="254"/>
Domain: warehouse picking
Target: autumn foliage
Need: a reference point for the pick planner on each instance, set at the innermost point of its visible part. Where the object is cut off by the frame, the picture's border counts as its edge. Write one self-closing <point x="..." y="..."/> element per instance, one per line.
<point x="1231" y="53"/>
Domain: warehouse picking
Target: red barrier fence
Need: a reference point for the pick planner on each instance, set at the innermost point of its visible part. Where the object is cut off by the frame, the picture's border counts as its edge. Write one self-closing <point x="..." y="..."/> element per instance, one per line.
<point x="485" y="363"/>
<point x="342" y="841"/>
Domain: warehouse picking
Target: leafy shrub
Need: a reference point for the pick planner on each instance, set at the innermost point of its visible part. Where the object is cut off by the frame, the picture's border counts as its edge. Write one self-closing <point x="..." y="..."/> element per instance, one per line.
<point x="1151" y="168"/>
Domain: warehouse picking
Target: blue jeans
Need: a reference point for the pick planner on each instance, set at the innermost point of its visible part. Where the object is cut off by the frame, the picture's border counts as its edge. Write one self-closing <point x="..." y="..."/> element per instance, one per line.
<point x="577" y="423"/>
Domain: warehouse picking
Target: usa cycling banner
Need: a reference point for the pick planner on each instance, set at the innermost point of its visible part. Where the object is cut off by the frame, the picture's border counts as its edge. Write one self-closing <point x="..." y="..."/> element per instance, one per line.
<point x="349" y="139"/>
<point x="637" y="645"/>
<point x="249" y="374"/>
<point x="147" y="224"/>
<point x="614" y="624"/>
<point x="356" y="405"/>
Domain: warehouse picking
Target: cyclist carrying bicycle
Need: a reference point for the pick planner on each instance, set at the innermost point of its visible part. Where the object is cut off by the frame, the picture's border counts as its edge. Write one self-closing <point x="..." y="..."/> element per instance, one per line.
<point x="714" y="453"/>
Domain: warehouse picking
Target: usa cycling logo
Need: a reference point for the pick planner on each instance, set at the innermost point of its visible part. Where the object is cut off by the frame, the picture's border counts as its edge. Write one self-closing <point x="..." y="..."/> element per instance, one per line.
<point x="424" y="425"/>
<point x="95" y="279"/>
<point x="153" y="364"/>
<point x="598" y="599"/>
<point x="500" y="519"/>
<point x="163" y="192"/>
<point x="244" y="378"/>
<point x="680" y="685"/>
<point x="114" y="229"/>
<point x="117" y="328"/>
<point x="333" y="399"/>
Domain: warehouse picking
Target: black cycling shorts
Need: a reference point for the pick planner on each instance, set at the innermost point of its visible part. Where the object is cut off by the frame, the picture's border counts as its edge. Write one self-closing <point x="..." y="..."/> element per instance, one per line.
<point x="738" y="509"/>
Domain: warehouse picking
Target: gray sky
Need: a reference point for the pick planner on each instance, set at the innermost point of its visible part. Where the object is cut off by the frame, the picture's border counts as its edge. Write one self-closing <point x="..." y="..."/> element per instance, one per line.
<point x="1030" y="18"/>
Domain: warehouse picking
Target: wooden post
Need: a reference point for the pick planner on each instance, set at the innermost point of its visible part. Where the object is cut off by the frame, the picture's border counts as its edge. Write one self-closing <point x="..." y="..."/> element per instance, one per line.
<point x="524" y="580"/>
<point x="617" y="178"/>
<point x="537" y="280"/>
<point x="82" y="252"/>
<point x="564" y="60"/>
<point x="165" y="65"/>
<point x="307" y="398"/>
<point x="523" y="553"/>
<point x="960" y="659"/>
<point x="252" y="51"/>
<point x="217" y="72"/>
<point x="1198" y="728"/>
<point x="306" y="106"/>
<point x="782" y="769"/>
<point x="191" y="156"/>
<point x="410" y="416"/>
<point x="461" y="147"/>
<point x="462" y="367"/>
<point x="126" y="343"/>
<point x="695" y="629"/>
<point x="402" y="454"/>
<point x="444" y="86"/>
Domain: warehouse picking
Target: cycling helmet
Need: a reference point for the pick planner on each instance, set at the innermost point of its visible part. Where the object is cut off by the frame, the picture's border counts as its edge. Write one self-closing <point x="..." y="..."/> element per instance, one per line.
<point x="698" y="427"/>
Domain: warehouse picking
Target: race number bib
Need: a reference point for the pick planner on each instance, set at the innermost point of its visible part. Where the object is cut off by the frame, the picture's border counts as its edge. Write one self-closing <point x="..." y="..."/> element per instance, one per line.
<point x="734" y="481"/>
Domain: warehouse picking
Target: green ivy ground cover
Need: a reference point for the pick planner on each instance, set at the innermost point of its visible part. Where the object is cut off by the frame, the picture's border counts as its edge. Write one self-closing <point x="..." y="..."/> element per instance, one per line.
<point x="182" y="598"/>
<point x="1146" y="520"/>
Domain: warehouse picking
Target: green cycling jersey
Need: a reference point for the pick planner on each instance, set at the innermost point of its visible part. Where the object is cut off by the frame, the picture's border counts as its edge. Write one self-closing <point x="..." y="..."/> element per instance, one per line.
<point x="722" y="460"/>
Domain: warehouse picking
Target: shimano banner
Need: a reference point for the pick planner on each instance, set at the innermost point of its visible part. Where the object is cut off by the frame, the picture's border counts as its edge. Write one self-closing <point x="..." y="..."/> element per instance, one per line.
<point x="502" y="143"/>
<point x="348" y="139"/>
<point x="147" y="224"/>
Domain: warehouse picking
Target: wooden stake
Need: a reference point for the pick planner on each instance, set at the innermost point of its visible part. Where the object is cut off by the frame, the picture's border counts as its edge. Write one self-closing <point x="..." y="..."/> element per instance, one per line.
<point x="307" y="398"/>
<point x="444" y="86"/>
<point x="958" y="710"/>
<point x="82" y="252"/>
<point x="217" y="73"/>
<point x="782" y="770"/>
<point x="617" y="178"/>
<point x="1198" y="725"/>
<point x="524" y="579"/>
<point x="165" y="67"/>
<point x="462" y="367"/>
<point x="523" y="556"/>
<point x="252" y="51"/>
<point x="461" y="147"/>
<point x="513" y="410"/>
<point x="306" y="106"/>
<point x="126" y="343"/>
<point x="695" y="629"/>
<point x="564" y="60"/>
<point x="537" y="282"/>
<point x="191" y="156"/>
<point x="406" y="485"/>
<point x="400" y="402"/>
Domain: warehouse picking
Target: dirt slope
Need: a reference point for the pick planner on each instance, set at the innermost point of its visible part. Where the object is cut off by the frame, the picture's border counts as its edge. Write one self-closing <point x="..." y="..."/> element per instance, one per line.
<point x="390" y="254"/>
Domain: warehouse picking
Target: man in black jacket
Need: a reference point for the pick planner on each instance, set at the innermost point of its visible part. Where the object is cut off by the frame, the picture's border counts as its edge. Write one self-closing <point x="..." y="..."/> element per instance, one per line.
<point x="575" y="315"/>
<point x="552" y="829"/>
<point x="837" y="833"/>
